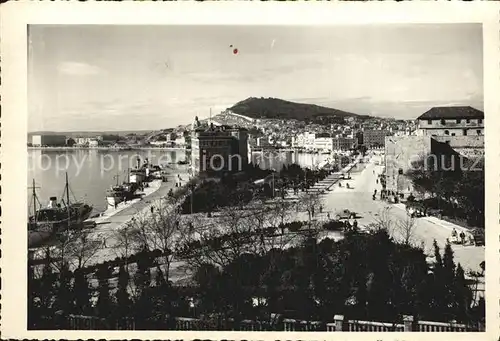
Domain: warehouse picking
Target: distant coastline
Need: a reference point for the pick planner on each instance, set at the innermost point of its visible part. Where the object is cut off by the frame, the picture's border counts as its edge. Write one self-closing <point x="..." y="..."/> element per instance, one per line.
<point x="105" y="148"/>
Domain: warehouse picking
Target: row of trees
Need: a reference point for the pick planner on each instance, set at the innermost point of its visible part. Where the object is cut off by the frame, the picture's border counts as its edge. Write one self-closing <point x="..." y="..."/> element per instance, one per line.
<point x="243" y="267"/>
<point x="458" y="191"/>
<point x="237" y="190"/>
<point x="368" y="277"/>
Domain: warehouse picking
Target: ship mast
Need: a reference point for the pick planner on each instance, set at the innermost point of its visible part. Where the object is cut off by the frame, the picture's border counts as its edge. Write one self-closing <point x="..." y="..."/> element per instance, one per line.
<point x="67" y="198"/>
<point x="34" y="199"/>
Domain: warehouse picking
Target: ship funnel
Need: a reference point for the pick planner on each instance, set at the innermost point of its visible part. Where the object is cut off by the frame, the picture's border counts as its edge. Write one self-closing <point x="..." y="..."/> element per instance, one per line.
<point x="52" y="202"/>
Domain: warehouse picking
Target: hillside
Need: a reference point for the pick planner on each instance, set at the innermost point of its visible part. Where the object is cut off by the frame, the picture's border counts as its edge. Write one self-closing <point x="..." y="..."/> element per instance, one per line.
<point x="280" y="109"/>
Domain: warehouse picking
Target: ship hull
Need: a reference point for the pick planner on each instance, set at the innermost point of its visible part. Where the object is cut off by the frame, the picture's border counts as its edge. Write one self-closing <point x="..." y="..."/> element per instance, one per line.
<point x="78" y="214"/>
<point x="113" y="200"/>
<point x="38" y="238"/>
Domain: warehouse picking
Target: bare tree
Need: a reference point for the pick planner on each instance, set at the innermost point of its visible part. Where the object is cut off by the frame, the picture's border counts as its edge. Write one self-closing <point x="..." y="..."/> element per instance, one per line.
<point x="310" y="202"/>
<point x="406" y="229"/>
<point x="281" y="210"/>
<point x="82" y="248"/>
<point x="383" y="220"/>
<point x="164" y="230"/>
<point x="124" y="241"/>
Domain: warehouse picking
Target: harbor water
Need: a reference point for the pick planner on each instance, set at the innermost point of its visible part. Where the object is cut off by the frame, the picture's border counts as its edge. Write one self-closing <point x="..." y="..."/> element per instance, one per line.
<point x="92" y="172"/>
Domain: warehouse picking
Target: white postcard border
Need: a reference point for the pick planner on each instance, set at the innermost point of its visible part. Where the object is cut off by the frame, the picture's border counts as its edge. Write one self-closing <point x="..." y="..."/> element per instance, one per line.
<point x="15" y="16"/>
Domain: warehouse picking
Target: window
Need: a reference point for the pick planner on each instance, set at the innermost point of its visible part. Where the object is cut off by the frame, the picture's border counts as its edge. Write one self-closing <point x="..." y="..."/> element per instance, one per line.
<point x="459" y="121"/>
<point x="429" y="122"/>
<point x="400" y="171"/>
<point x="465" y="132"/>
<point x="446" y="132"/>
<point x="452" y="134"/>
<point x="480" y="121"/>
<point x="468" y="121"/>
<point x="443" y="122"/>
<point x="479" y="132"/>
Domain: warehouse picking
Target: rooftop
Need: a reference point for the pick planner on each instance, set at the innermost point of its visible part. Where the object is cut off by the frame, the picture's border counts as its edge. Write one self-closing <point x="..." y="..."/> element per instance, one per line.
<point x="451" y="112"/>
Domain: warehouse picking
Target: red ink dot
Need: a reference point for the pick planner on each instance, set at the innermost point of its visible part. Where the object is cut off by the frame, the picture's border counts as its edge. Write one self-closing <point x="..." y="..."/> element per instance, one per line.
<point x="235" y="51"/>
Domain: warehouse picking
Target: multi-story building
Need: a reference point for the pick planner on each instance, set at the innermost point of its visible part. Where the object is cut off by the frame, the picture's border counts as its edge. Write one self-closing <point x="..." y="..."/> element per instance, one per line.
<point x="451" y="121"/>
<point x="446" y="147"/>
<point x="218" y="149"/>
<point x="359" y="137"/>
<point x="48" y="140"/>
<point x="88" y="140"/>
<point x="375" y="138"/>
<point x="344" y="143"/>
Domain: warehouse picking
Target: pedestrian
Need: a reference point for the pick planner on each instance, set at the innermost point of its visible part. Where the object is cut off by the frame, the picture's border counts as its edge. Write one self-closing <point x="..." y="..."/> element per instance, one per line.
<point x="152" y="209"/>
<point x="355" y="224"/>
<point x="328" y="216"/>
<point x="462" y="237"/>
<point x="312" y="211"/>
<point x="320" y="208"/>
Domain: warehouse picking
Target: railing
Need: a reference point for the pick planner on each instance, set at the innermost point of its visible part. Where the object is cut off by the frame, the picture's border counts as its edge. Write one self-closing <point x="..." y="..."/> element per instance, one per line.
<point x="428" y="326"/>
<point x="291" y="325"/>
<point x="370" y="326"/>
<point x="75" y="322"/>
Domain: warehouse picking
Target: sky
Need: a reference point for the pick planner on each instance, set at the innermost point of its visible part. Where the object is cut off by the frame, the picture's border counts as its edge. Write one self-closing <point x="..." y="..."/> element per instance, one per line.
<point x="96" y="78"/>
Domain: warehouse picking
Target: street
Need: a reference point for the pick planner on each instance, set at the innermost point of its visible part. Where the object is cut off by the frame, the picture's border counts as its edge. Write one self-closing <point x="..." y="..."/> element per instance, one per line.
<point x="358" y="198"/>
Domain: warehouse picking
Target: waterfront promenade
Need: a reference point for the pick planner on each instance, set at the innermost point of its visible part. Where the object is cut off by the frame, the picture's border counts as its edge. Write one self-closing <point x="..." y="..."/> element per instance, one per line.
<point x="112" y="221"/>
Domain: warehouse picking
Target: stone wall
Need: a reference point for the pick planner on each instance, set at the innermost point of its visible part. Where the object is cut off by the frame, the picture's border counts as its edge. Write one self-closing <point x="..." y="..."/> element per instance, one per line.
<point x="400" y="153"/>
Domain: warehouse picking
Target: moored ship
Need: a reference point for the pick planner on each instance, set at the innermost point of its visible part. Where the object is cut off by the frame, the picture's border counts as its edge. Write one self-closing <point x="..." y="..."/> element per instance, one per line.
<point x="55" y="217"/>
<point x="119" y="193"/>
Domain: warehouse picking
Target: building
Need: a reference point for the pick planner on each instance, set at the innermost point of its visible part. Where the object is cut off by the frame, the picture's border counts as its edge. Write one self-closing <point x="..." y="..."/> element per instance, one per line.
<point x="451" y="121"/>
<point x="48" y="140"/>
<point x="471" y="146"/>
<point x="344" y="143"/>
<point x="401" y="153"/>
<point x="216" y="149"/>
<point x="88" y="140"/>
<point x="375" y="138"/>
<point x="404" y="153"/>
<point x="359" y="137"/>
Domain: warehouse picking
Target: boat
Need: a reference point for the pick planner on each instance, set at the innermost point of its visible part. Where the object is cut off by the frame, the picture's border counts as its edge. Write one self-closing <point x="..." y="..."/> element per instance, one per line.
<point x="138" y="175"/>
<point x="37" y="234"/>
<point x="56" y="217"/>
<point x="119" y="193"/>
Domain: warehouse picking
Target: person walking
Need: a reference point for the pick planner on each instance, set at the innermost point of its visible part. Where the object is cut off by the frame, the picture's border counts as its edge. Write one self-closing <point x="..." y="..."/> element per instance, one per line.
<point x="152" y="209"/>
<point x="462" y="237"/>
